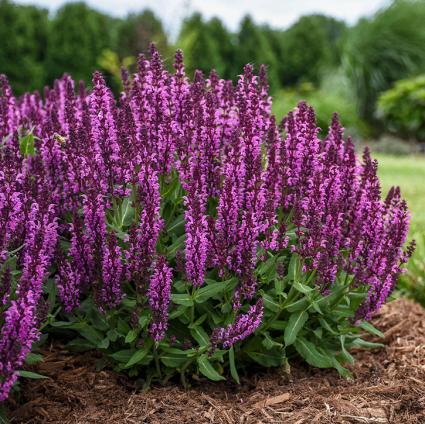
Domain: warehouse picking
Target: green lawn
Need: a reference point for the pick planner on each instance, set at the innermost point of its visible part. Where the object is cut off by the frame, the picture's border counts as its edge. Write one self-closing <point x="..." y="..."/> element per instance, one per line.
<point x="408" y="172"/>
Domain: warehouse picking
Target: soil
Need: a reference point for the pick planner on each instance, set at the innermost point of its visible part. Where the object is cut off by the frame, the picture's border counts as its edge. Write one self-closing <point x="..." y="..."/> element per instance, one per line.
<point x="388" y="387"/>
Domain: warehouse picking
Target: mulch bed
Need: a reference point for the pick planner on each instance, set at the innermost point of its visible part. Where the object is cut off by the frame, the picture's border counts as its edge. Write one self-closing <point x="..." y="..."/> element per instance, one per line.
<point x="388" y="387"/>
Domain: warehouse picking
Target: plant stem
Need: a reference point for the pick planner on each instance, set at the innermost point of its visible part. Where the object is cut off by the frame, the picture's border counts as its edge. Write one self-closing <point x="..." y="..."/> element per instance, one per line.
<point x="157" y="364"/>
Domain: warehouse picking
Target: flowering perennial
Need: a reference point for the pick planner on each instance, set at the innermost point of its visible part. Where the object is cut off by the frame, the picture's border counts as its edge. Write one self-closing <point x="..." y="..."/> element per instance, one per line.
<point x="185" y="205"/>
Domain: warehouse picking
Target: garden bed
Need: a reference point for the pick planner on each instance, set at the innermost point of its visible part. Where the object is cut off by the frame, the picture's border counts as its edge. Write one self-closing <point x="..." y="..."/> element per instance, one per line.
<point x="388" y="387"/>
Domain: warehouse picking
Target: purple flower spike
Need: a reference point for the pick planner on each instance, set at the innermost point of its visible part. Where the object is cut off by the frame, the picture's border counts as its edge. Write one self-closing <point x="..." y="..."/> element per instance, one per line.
<point x="159" y="295"/>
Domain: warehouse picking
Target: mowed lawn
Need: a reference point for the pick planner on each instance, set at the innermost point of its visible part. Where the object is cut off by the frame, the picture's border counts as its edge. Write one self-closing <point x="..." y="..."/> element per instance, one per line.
<point x="408" y="172"/>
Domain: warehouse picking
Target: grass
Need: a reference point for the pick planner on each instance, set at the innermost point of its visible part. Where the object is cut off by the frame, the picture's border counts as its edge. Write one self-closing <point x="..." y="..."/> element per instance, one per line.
<point x="408" y="172"/>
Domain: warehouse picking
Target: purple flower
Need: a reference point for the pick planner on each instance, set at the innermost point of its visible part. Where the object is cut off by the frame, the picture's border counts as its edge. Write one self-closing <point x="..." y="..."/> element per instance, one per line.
<point x="244" y="325"/>
<point x="143" y="237"/>
<point x="159" y="295"/>
<point x="113" y="273"/>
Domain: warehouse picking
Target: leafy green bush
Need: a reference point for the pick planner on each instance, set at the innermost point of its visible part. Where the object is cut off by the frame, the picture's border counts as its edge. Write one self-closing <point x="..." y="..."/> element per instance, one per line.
<point x="384" y="49"/>
<point x="412" y="283"/>
<point x="308" y="48"/>
<point x="182" y="231"/>
<point x="402" y="108"/>
<point x="325" y="100"/>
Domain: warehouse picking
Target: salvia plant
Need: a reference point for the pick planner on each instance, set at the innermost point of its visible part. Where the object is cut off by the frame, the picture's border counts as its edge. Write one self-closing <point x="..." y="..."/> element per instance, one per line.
<point x="181" y="230"/>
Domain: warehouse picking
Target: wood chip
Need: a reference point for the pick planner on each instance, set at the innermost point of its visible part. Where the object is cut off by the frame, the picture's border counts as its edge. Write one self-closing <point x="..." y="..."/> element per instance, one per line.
<point x="273" y="400"/>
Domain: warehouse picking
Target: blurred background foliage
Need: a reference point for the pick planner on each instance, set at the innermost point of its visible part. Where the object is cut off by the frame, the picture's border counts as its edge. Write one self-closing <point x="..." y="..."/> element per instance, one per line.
<point x="352" y="69"/>
<point x="319" y="58"/>
<point x="372" y="73"/>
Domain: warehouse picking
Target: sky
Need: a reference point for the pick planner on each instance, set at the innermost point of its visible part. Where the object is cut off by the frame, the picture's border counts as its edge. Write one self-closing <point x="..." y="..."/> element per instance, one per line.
<point x="276" y="13"/>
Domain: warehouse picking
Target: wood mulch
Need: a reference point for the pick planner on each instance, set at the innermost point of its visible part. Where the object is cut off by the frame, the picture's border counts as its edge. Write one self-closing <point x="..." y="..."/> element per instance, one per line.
<point x="388" y="387"/>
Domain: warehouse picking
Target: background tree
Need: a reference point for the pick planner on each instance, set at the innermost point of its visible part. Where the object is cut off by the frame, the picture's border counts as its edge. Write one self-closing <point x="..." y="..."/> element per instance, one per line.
<point x="253" y="47"/>
<point x="78" y="34"/>
<point x="201" y="50"/>
<point x="137" y="31"/>
<point x="23" y="35"/>
<point x="384" y="49"/>
<point x="306" y="51"/>
<point x="224" y="42"/>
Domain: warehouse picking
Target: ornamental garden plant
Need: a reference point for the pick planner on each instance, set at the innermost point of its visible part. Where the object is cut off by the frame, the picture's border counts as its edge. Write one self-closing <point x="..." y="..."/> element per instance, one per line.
<point x="181" y="230"/>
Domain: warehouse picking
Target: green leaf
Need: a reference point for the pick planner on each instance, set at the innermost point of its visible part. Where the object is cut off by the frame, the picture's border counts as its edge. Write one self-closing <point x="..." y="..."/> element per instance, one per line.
<point x="200" y="335"/>
<point x="302" y="288"/>
<point x="218" y="355"/>
<point x="172" y="360"/>
<point x="233" y="370"/>
<point x="103" y="344"/>
<point x="139" y="355"/>
<point x="316" y="307"/>
<point x="97" y="319"/>
<point x="344" y="353"/>
<point x="298" y="305"/>
<point x="270" y="303"/>
<point x="51" y="293"/>
<point x="269" y="343"/>
<point x="213" y="289"/>
<point x="26" y="145"/>
<point x="279" y="325"/>
<point x="80" y="345"/>
<point x="131" y="336"/>
<point x="278" y="286"/>
<point x="91" y="334"/>
<point x="177" y="245"/>
<point x="180" y="310"/>
<point x="113" y="335"/>
<point x="128" y="303"/>
<point x="177" y="224"/>
<point x="363" y="343"/>
<point x="343" y="372"/>
<point x="344" y="311"/>
<point x="199" y="321"/>
<point x="69" y="325"/>
<point x="311" y="355"/>
<point x="122" y="327"/>
<point x="176" y="351"/>
<point x="31" y="375"/>
<point x="124" y="214"/>
<point x="267" y="268"/>
<point x="327" y="326"/>
<point x="143" y="320"/>
<point x="182" y="299"/>
<point x="123" y="356"/>
<point x="295" y="323"/>
<point x="33" y="358"/>
<point x="294" y="268"/>
<point x="267" y="359"/>
<point x="367" y="326"/>
<point x="318" y="332"/>
<point x="206" y="368"/>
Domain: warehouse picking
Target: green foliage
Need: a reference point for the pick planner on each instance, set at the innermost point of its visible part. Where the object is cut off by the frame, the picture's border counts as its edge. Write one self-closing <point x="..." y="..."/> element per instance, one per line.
<point x="412" y="283"/>
<point x="384" y="49"/>
<point x="326" y="101"/>
<point x="137" y="31"/>
<point x="253" y="47"/>
<point x="408" y="172"/>
<point x="402" y="108"/>
<point x="26" y="144"/>
<point x="23" y="41"/>
<point x="298" y="319"/>
<point x="78" y="35"/>
<point x="308" y="48"/>
<point x="202" y="50"/>
<point x="224" y="40"/>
